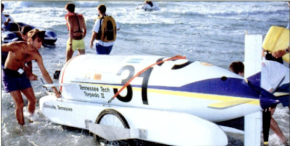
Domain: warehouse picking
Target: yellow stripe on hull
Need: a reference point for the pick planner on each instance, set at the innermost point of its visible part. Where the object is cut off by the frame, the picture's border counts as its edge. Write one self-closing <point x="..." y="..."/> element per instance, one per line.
<point x="226" y="100"/>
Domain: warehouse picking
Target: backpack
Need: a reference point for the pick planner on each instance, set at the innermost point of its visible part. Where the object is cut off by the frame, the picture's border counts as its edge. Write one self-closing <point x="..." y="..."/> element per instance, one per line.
<point x="107" y="30"/>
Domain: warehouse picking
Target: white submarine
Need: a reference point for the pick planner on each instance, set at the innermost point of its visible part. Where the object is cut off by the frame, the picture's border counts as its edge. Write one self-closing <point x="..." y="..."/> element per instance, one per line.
<point x="164" y="100"/>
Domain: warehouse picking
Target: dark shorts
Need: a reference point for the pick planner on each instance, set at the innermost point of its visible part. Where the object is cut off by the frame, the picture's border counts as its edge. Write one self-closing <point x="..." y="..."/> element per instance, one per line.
<point x="13" y="81"/>
<point x="102" y="49"/>
<point x="285" y="100"/>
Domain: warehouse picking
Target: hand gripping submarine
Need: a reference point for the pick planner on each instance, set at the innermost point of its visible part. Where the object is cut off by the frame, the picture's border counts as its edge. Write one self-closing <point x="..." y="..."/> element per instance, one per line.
<point x="165" y="100"/>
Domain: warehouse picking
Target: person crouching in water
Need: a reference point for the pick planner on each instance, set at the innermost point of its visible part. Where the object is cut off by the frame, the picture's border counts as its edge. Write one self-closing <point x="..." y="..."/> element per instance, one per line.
<point x="77" y="31"/>
<point x="14" y="78"/>
<point x="274" y="74"/>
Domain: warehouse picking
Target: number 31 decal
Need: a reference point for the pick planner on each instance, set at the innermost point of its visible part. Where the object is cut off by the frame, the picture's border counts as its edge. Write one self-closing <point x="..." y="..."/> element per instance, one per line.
<point x="128" y="97"/>
<point x="146" y="74"/>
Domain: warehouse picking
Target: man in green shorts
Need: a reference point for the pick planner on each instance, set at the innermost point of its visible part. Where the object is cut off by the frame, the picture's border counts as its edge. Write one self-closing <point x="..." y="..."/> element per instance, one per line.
<point x="77" y="31"/>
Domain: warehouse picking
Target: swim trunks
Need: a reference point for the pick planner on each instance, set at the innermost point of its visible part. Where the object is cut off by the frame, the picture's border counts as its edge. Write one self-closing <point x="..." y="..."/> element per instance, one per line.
<point x="76" y="44"/>
<point x="103" y="49"/>
<point x="13" y="81"/>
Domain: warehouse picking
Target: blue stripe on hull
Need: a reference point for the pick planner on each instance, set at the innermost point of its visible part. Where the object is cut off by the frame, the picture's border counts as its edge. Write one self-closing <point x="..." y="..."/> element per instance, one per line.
<point x="228" y="87"/>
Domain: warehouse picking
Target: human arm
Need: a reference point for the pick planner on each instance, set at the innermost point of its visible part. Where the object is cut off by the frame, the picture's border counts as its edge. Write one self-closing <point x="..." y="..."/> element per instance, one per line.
<point x="280" y="53"/>
<point x="7" y="20"/>
<point x="94" y="35"/>
<point x="85" y="28"/>
<point x="271" y="90"/>
<point x="10" y="47"/>
<point x="29" y="66"/>
<point x="263" y="53"/>
<point x="95" y="32"/>
<point x="45" y="74"/>
<point x="70" y="32"/>
<point x="117" y="26"/>
<point x="28" y="71"/>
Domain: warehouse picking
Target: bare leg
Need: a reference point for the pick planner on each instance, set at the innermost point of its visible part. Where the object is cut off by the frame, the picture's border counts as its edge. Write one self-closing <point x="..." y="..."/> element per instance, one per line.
<point x="17" y="97"/>
<point x="81" y="51"/>
<point x="69" y="54"/>
<point x="274" y="126"/>
<point x="31" y="99"/>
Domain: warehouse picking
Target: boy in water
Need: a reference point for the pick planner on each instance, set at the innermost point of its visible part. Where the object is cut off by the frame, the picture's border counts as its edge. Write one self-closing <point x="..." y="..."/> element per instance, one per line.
<point x="14" y="78"/>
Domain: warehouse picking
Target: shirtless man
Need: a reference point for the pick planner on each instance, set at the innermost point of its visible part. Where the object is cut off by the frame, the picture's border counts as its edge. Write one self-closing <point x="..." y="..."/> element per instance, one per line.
<point x="14" y="79"/>
<point x="28" y="67"/>
<point x="77" y="31"/>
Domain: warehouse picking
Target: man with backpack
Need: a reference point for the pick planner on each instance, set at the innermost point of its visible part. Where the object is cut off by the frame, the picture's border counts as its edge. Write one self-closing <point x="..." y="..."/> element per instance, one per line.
<point x="104" y="31"/>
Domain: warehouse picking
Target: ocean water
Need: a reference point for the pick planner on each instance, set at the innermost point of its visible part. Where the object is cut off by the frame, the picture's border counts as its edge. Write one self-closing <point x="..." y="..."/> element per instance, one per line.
<point x="211" y="32"/>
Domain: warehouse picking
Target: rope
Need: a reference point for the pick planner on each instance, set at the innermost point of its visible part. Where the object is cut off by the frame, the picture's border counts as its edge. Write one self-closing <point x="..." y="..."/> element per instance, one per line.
<point x="140" y="72"/>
